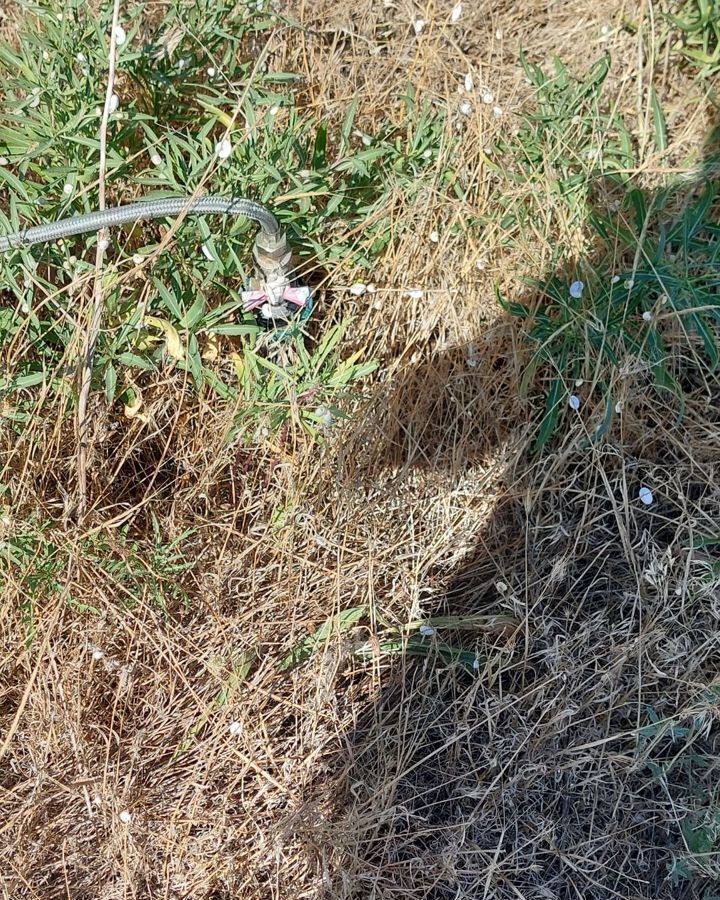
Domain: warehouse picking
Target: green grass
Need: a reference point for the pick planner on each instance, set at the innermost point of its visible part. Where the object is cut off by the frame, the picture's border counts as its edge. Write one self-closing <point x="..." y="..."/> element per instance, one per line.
<point x="677" y="757"/>
<point x="649" y="297"/>
<point x="695" y="34"/>
<point x="35" y="558"/>
<point x="332" y="190"/>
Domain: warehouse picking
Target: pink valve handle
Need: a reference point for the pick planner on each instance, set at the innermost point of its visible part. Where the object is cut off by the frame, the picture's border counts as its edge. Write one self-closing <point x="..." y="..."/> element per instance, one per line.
<point x="298" y="296"/>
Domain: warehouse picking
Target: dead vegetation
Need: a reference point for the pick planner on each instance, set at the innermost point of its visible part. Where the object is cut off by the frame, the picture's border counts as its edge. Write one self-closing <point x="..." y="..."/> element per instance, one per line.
<point x="152" y="746"/>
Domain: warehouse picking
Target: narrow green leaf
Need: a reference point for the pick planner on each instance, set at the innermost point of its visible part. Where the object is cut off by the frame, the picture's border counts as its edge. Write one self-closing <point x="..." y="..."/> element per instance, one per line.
<point x="233" y="330"/>
<point x="133" y="361"/>
<point x="552" y="413"/>
<point x="194" y="314"/>
<point x="348" y="124"/>
<point x="659" y="122"/>
<point x="32" y="379"/>
<point x="110" y="383"/>
<point x="334" y="625"/>
<point x="708" y="339"/>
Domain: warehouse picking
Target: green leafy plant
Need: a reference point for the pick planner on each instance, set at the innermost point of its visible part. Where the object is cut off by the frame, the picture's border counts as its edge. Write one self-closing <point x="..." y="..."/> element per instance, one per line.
<point x="673" y="752"/>
<point x="630" y="315"/>
<point x="306" y="387"/>
<point x="695" y="34"/>
<point x="565" y="140"/>
<point x="415" y="639"/>
<point x="34" y="560"/>
<point x="181" y="86"/>
<point x="652" y="284"/>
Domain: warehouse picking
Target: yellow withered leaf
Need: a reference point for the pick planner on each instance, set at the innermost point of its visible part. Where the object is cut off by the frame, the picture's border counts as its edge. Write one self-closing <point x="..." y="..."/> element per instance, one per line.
<point x="172" y="338"/>
<point x="211" y="348"/>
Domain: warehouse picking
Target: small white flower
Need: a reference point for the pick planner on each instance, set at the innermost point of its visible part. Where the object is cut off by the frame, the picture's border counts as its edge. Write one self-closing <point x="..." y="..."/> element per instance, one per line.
<point x="415" y="294"/>
<point x="456" y="13"/>
<point x="46" y="55"/>
<point x="576" y="120"/>
<point x="427" y="154"/>
<point x="81" y="58"/>
<point x="502" y="588"/>
<point x="235" y="728"/>
<point x="481" y="263"/>
<point x="576" y="289"/>
<point x="466" y="107"/>
<point x="207" y="253"/>
<point x="97" y="654"/>
<point x="605" y="30"/>
<point x="138" y="259"/>
<point x="434" y="237"/>
<point x="427" y="630"/>
<point x="469" y="83"/>
<point x="488" y="151"/>
<point x="476" y="664"/>
<point x="619" y="406"/>
<point x="579" y="382"/>
<point x="615" y="279"/>
<point x="120" y="36"/>
<point x="574" y="402"/>
<point x="630" y="284"/>
<point x="125" y="817"/>
<point x="419" y="25"/>
<point x="223" y="149"/>
<point x="59" y="17"/>
<point x="67" y="189"/>
<point x="114" y="103"/>
<point x="647" y="316"/>
<point x="103" y="243"/>
<point x="371" y="289"/>
<point x="498" y="112"/>
<point x="487" y="97"/>
<point x="646" y="495"/>
<point x="358" y="289"/>
<point x="156" y="159"/>
<point x="274" y="110"/>
<point x="499" y="34"/>
<point x="183" y="63"/>
<point x="211" y="71"/>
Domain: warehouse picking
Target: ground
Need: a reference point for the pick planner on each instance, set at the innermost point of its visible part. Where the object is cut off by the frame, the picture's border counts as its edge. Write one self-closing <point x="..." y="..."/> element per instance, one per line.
<point x="155" y="745"/>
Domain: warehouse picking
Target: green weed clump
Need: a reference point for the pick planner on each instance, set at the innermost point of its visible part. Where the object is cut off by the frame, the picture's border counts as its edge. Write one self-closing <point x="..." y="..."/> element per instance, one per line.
<point x="182" y="85"/>
<point x="695" y="34"/>
<point x="649" y="286"/>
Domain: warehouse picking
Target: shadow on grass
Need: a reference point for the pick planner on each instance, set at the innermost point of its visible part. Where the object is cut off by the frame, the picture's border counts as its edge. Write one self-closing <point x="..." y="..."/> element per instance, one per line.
<point x="575" y="758"/>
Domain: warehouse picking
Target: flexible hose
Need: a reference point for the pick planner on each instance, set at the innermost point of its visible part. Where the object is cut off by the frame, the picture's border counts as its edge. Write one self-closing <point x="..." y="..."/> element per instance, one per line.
<point x="135" y="212"/>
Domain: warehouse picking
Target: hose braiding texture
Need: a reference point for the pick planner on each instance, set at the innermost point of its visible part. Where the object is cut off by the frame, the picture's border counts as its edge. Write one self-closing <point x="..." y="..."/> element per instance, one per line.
<point x="136" y="212"/>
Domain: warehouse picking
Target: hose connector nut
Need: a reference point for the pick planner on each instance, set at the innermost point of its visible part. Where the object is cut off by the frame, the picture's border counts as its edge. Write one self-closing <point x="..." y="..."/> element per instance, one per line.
<point x="272" y="254"/>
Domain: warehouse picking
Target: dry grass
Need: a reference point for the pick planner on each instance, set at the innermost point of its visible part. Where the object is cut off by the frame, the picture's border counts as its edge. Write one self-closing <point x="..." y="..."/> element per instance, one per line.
<point x="535" y="778"/>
